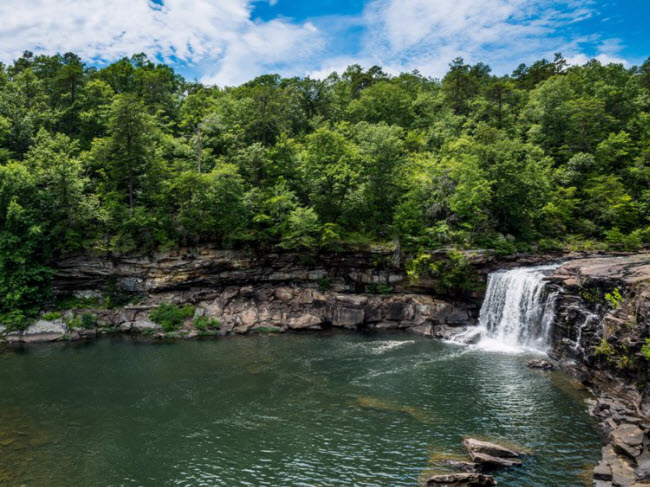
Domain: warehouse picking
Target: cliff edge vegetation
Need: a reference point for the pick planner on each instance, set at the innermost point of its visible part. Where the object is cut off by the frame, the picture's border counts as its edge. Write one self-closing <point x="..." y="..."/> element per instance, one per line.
<point x="132" y="158"/>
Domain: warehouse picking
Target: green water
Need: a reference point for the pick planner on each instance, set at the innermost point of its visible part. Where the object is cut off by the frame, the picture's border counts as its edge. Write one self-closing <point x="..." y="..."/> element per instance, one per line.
<point x="288" y="410"/>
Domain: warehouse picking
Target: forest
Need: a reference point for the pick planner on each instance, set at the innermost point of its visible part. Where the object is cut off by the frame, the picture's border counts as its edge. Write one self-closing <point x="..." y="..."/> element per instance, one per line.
<point x="132" y="158"/>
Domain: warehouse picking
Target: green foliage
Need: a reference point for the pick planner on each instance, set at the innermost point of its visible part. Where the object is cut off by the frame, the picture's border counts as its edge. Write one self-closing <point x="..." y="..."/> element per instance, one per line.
<point x="604" y="349"/>
<point x="132" y="158"/>
<point x="380" y="288"/>
<point x="324" y="284"/>
<point x="302" y="229"/>
<point x="170" y="317"/>
<point x="72" y="302"/>
<point x="51" y="316"/>
<point x="645" y="349"/>
<point x="614" y="299"/>
<point x="88" y="320"/>
<point x="453" y="270"/>
<point x="205" y="323"/>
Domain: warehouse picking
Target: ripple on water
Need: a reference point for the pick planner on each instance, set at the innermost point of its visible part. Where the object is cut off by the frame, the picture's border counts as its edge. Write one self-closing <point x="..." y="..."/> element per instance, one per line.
<point x="294" y="410"/>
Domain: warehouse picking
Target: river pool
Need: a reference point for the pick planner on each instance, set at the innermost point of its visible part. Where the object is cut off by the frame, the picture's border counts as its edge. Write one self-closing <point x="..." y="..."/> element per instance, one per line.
<point x="330" y="409"/>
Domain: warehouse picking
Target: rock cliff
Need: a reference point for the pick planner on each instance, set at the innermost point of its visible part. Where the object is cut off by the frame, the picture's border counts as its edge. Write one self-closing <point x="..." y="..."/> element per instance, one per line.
<point x="601" y="334"/>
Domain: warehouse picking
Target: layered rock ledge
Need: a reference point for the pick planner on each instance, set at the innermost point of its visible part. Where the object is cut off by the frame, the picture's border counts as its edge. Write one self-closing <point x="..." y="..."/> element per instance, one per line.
<point x="601" y="335"/>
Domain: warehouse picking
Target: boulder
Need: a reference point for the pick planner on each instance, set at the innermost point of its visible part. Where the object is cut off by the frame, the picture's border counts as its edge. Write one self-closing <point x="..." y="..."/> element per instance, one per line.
<point x="463" y="466"/>
<point x="304" y="321"/>
<point x="602" y="471"/>
<point x="492" y="454"/>
<point x="642" y="472"/>
<point x="45" y="331"/>
<point x="627" y="439"/>
<point x="145" y="325"/>
<point x="490" y="461"/>
<point x="347" y="317"/>
<point x="446" y="332"/>
<point x="248" y="316"/>
<point x="284" y="293"/>
<point x="460" y="480"/>
<point x="540" y="364"/>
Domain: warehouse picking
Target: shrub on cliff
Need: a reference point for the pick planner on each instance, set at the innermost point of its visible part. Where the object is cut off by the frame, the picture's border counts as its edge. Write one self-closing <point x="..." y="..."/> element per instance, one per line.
<point x="170" y="317"/>
<point x="205" y="323"/>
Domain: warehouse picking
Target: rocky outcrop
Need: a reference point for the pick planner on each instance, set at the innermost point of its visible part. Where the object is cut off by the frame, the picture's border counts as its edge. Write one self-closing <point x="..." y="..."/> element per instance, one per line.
<point x="539" y="364"/>
<point x="601" y="332"/>
<point x="45" y="331"/>
<point x="247" y="291"/>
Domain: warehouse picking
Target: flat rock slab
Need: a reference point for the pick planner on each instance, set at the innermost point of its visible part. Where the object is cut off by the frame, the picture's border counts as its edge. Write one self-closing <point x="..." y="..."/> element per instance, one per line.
<point x="631" y="269"/>
<point x="627" y="439"/>
<point x="490" y="461"/>
<point x="460" y="480"/>
<point x="489" y="448"/>
<point x="44" y="331"/>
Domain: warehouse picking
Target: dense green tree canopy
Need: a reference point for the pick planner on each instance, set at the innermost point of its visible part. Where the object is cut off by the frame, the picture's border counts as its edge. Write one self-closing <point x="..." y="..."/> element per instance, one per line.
<point x="133" y="158"/>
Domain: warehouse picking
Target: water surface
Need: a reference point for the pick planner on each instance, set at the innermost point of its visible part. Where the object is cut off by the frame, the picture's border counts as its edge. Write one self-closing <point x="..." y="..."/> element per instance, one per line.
<point x="289" y="410"/>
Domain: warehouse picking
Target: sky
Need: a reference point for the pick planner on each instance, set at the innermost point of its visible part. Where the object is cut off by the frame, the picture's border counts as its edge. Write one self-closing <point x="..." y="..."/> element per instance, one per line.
<point x="228" y="42"/>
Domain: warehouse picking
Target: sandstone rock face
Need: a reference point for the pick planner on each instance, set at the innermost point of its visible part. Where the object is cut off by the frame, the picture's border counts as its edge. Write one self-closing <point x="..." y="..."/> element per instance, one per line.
<point x="45" y="331"/>
<point x="296" y="291"/>
<point x="460" y="480"/>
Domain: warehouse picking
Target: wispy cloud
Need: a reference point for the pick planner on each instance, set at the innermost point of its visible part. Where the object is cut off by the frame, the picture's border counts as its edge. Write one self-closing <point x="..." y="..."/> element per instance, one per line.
<point x="222" y="44"/>
<point x="218" y="34"/>
<point x="426" y="35"/>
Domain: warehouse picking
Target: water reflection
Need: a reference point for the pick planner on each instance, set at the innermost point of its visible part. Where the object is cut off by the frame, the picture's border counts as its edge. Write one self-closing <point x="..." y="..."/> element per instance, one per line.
<point x="289" y="410"/>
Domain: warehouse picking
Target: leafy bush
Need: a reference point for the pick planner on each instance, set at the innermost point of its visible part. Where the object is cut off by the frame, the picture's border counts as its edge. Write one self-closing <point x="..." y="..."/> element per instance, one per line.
<point x="88" y="320"/>
<point x="549" y="244"/>
<point x="454" y="272"/>
<point x="645" y="349"/>
<point x="205" y="323"/>
<point x="324" y="284"/>
<point x="51" y="316"/>
<point x="170" y="317"/>
<point x="380" y="288"/>
<point x="614" y="299"/>
<point x="604" y="349"/>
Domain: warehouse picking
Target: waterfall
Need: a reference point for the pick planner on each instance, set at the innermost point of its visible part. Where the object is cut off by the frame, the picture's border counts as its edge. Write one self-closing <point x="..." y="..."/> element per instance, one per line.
<point x="518" y="311"/>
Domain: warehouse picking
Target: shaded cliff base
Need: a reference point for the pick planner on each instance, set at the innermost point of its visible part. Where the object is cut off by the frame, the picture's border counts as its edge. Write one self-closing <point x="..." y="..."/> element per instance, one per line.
<point x="248" y="309"/>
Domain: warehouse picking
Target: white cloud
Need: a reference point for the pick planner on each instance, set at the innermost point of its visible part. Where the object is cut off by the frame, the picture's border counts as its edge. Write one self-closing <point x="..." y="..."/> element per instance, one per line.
<point x="426" y="35"/>
<point x="218" y="34"/>
<point x="225" y="46"/>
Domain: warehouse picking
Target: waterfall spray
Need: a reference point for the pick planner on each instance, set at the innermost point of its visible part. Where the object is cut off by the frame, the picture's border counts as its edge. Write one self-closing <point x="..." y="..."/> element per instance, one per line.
<point x="518" y="310"/>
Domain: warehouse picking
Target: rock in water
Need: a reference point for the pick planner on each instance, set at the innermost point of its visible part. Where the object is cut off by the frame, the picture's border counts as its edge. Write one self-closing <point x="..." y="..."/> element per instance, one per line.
<point x="540" y="364"/>
<point x="491" y="454"/>
<point x="460" y="480"/>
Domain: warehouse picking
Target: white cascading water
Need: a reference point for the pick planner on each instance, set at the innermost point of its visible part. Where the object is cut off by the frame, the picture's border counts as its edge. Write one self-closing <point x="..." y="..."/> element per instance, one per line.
<point x="518" y="312"/>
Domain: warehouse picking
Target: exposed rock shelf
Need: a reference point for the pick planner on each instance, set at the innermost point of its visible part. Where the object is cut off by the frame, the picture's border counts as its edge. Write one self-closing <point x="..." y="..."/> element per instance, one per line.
<point x="601" y="327"/>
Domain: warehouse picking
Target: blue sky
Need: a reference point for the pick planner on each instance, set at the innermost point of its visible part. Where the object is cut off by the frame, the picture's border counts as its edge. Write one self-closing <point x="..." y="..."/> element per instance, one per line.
<point x="227" y="42"/>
